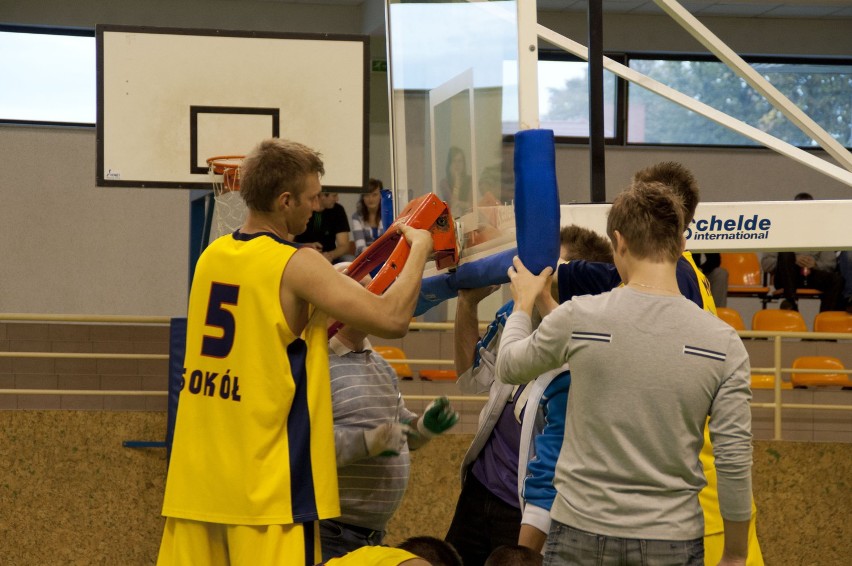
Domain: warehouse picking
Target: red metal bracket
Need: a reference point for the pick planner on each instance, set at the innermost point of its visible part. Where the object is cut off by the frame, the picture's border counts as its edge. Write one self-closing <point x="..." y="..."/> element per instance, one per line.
<point x="427" y="212"/>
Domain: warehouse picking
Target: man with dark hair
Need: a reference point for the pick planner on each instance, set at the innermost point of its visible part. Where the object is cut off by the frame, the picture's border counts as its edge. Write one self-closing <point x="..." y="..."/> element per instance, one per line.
<point x="328" y="230"/>
<point x="582" y="278"/>
<point x="806" y="270"/>
<point x="577" y="242"/>
<point x="647" y="368"/>
<point x="514" y="555"/>
<point x="434" y="550"/>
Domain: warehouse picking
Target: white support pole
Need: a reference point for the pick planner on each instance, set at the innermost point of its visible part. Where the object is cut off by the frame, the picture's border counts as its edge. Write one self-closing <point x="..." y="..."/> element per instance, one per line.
<point x="527" y="66"/>
<point x="757" y="82"/>
<point x="771" y="142"/>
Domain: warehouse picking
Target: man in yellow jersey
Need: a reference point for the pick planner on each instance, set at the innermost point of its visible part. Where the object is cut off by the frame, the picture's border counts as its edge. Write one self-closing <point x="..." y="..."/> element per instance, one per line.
<point x="253" y="465"/>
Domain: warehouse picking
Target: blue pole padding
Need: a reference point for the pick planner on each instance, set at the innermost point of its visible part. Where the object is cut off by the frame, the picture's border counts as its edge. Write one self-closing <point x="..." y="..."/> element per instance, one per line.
<point x="387" y="208"/>
<point x="536" y="199"/>
<point x="177" y="350"/>
<point x="483" y="272"/>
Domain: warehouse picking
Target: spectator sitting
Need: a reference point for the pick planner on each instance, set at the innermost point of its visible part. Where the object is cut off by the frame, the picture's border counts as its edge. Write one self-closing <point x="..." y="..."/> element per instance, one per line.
<point x="367" y="219"/>
<point x="328" y="230"/>
<point x="808" y="270"/>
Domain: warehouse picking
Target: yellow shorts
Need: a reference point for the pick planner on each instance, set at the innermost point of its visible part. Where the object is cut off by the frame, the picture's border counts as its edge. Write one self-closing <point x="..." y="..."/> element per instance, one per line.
<point x="189" y="543"/>
<point x="714" y="545"/>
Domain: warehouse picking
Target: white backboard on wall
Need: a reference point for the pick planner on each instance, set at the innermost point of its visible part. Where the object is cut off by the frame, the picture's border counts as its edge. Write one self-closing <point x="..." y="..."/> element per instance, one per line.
<point x="168" y="99"/>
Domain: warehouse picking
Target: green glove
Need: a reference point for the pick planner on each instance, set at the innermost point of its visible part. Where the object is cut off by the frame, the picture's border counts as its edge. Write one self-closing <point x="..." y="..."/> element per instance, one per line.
<point x="438" y="417"/>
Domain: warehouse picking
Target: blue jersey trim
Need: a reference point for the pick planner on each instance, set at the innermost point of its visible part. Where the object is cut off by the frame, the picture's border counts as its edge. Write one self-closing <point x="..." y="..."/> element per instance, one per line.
<point x="299" y="438"/>
<point x="237" y="235"/>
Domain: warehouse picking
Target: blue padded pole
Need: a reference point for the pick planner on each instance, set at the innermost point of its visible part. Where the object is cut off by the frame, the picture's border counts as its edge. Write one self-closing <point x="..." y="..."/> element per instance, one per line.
<point x="177" y="350"/>
<point x="536" y="225"/>
<point x="387" y="208"/>
<point x="536" y="199"/>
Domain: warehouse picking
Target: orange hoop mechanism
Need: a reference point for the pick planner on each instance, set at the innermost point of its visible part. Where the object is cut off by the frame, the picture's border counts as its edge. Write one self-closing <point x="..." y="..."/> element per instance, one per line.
<point x="228" y="166"/>
<point x="229" y="206"/>
<point x="427" y="212"/>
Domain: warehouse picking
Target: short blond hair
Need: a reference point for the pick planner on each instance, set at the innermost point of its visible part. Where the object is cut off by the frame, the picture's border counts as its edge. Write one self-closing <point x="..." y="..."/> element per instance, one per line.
<point x="649" y="217"/>
<point x="276" y="166"/>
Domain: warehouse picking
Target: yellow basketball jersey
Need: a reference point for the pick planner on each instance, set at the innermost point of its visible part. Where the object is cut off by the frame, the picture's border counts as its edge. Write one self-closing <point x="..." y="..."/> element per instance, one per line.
<point x="709" y="496"/>
<point x="254" y="440"/>
<point x="703" y="284"/>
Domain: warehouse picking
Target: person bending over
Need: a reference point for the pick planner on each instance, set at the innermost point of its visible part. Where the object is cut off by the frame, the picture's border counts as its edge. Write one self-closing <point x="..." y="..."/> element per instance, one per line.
<point x="373" y="432"/>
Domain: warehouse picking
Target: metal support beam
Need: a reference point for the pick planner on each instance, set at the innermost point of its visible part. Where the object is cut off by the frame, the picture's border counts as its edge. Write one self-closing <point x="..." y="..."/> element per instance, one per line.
<point x="597" y="162"/>
<point x="769" y="141"/>
<point x="756" y="81"/>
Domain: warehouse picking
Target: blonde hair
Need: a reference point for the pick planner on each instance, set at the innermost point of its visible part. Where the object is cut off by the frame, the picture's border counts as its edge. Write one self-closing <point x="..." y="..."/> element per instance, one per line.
<point x="276" y="166"/>
<point x="649" y="217"/>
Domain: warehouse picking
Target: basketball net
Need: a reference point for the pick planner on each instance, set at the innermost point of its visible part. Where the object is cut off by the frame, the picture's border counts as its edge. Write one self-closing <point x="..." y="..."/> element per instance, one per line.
<point x="229" y="206"/>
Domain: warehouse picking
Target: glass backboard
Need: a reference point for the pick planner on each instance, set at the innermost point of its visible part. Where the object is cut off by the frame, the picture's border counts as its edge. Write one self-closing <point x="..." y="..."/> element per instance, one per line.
<point x="454" y="98"/>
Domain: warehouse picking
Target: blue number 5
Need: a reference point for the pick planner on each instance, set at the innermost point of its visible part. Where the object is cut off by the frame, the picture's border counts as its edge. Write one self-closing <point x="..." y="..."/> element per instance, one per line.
<point x="220" y="294"/>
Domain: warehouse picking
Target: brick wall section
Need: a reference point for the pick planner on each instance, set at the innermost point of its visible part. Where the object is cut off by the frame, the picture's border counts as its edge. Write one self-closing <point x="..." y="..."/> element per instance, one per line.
<point x="82" y="373"/>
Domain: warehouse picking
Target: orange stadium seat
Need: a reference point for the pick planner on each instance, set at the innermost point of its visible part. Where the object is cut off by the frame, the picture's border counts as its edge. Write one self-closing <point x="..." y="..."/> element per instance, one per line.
<point x="833" y="321"/>
<point x="438" y="374"/>
<point x="732" y="317"/>
<point x="745" y="278"/>
<point x="767" y="381"/>
<point x="819" y="379"/>
<point x="403" y="370"/>
<point x="780" y="320"/>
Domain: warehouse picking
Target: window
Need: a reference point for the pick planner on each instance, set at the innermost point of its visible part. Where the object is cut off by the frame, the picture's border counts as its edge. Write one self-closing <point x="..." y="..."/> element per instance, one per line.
<point x="48" y="76"/>
<point x="563" y="96"/>
<point x="823" y="90"/>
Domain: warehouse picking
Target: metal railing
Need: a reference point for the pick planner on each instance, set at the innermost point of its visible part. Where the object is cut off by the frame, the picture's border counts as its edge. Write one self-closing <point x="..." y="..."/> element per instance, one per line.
<point x="776" y="369"/>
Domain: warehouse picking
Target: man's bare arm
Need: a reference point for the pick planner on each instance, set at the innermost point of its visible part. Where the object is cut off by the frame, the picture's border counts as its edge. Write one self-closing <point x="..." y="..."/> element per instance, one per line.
<point x="467" y="326"/>
<point x="531" y="537"/>
<point x="310" y="278"/>
<point x="736" y="543"/>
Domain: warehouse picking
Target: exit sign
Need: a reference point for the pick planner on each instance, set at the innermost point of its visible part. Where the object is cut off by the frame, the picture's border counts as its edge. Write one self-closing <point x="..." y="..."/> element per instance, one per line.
<point x="380" y="66"/>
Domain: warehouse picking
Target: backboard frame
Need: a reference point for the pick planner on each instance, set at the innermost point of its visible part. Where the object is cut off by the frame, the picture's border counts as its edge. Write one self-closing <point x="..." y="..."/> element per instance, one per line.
<point x="349" y="96"/>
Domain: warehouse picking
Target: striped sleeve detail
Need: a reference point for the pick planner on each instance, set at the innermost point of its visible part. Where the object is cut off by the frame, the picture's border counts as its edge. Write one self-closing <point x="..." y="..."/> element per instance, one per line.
<point x="704" y="353"/>
<point x="593" y="336"/>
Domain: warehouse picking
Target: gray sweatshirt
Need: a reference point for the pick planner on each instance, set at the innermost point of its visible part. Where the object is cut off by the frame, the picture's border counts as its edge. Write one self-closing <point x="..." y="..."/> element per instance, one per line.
<point x="646" y="371"/>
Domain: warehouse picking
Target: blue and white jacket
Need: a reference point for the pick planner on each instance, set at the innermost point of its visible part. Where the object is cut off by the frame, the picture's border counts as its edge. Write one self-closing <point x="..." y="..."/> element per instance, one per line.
<point x="542" y="430"/>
